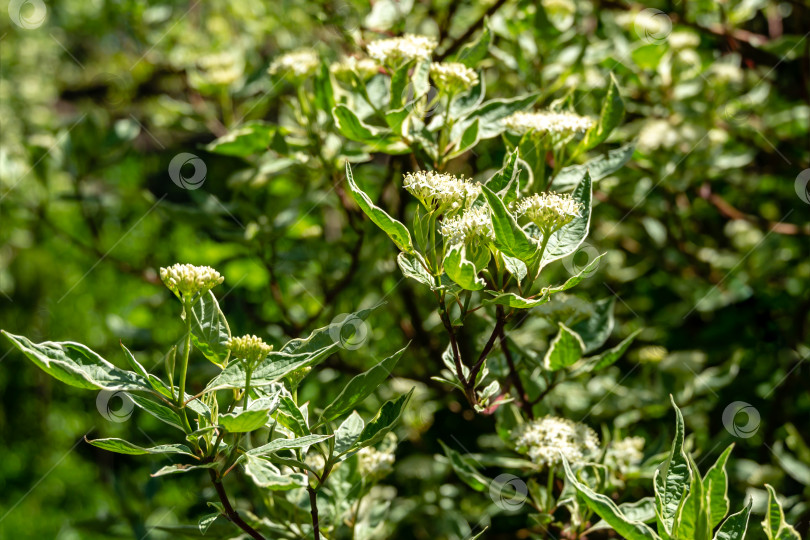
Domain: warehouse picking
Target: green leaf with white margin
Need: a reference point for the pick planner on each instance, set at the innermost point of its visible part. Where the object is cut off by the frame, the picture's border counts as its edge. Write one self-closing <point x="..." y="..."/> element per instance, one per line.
<point x="351" y="127"/>
<point x="250" y="139"/>
<point x="510" y="238"/>
<point x="598" y="167"/>
<point x="610" y="356"/>
<point x="360" y="387"/>
<point x="506" y="174"/>
<point x="564" y="350"/>
<point x="468" y="139"/>
<point x="671" y="487"/>
<point x="605" y="508"/>
<point x="596" y="329"/>
<point x="179" y="468"/>
<point x="395" y="230"/>
<point x="385" y="420"/>
<point x="472" y="53"/>
<point x="716" y="483"/>
<point x="245" y="421"/>
<point x="206" y="521"/>
<point x="642" y="510"/>
<point x="291" y="417"/>
<point x="461" y="270"/>
<point x="157" y="409"/>
<point x="348" y="432"/>
<point x="326" y="336"/>
<point x="566" y="240"/>
<point x="466" y="472"/>
<point x="412" y="268"/>
<point x="694" y="519"/>
<point x="156" y="384"/>
<point x="609" y="117"/>
<point x="516" y="267"/>
<point x="77" y="365"/>
<point x="735" y="526"/>
<point x="774" y="524"/>
<point x="573" y="281"/>
<point x="284" y="444"/>
<point x="209" y="330"/>
<point x="266" y="475"/>
<point x="120" y="446"/>
<point x="515" y="301"/>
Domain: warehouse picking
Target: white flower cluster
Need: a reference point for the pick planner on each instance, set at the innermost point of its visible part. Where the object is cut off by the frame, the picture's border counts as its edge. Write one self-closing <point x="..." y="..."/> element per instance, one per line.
<point x="555" y="123"/>
<point x="222" y="68"/>
<point x="548" y="210"/>
<point x="373" y="463"/>
<point x="249" y="347"/>
<point x="626" y="453"/>
<point x="188" y="280"/>
<point x="315" y="461"/>
<point x="547" y="439"/>
<point x="474" y="224"/>
<point x="453" y="76"/>
<point x="364" y="68"/>
<point x="299" y="64"/>
<point x="441" y="191"/>
<point x="392" y="51"/>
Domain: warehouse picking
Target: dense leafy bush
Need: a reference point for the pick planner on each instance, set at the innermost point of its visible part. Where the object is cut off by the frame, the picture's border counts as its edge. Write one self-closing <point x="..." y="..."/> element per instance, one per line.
<point x="487" y="249"/>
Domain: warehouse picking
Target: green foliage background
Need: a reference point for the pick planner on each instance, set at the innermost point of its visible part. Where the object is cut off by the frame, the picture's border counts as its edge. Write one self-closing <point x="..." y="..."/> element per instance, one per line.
<point x="705" y="234"/>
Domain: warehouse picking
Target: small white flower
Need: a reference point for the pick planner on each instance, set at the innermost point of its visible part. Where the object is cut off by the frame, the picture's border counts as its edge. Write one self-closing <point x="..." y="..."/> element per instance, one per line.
<point x="726" y="72"/>
<point x="547" y="439"/>
<point x="186" y="280"/>
<point x="409" y="47"/>
<point x="374" y="464"/>
<point x="249" y="347"/>
<point x="554" y="123"/>
<point x="626" y="453"/>
<point x="683" y="40"/>
<point x="364" y="68"/>
<point x="222" y="68"/>
<point x="299" y="64"/>
<point x="474" y="224"/>
<point x="549" y="210"/>
<point x="453" y="76"/>
<point x="441" y="191"/>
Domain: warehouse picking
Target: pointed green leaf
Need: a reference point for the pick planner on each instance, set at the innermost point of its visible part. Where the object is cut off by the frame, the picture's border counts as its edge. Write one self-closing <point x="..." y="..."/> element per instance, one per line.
<point x="672" y="488"/>
<point x="461" y="270"/>
<point x="283" y="444"/>
<point x="735" y="526"/>
<point x="566" y="240"/>
<point x="774" y="524"/>
<point x="245" y="421"/>
<point x="472" y="53"/>
<point x="610" y="356"/>
<point x="605" y="508"/>
<point x="390" y="226"/>
<point x="509" y="236"/>
<point x="383" y="422"/>
<point x="716" y="482"/>
<point x="209" y="329"/>
<point x="180" y="468"/>
<point x="609" y="117"/>
<point x="120" y="446"/>
<point x="598" y="167"/>
<point x="466" y="472"/>
<point x="348" y="432"/>
<point x="77" y="365"/>
<point x="564" y="350"/>
<point x="596" y="329"/>
<point x="266" y="475"/>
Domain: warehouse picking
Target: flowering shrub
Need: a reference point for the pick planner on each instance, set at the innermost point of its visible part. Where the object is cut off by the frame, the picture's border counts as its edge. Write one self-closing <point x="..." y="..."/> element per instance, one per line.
<point x="567" y="210"/>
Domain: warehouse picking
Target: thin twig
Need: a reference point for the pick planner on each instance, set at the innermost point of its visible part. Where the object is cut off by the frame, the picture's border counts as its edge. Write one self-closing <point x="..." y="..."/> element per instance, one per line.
<point x="230" y="513"/>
